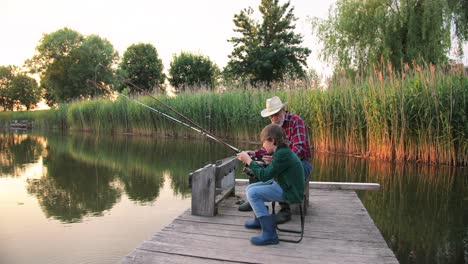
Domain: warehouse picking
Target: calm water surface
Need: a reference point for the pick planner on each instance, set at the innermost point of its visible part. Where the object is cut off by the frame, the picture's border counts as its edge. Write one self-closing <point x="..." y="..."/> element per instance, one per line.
<point x="87" y="199"/>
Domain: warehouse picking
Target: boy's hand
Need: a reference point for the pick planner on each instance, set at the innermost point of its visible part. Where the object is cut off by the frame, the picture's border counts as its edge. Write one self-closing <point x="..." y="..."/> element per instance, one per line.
<point x="244" y="157"/>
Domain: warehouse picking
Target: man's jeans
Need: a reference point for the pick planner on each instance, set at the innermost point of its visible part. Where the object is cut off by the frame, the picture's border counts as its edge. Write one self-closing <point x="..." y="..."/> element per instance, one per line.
<point x="260" y="192"/>
<point x="307" y="169"/>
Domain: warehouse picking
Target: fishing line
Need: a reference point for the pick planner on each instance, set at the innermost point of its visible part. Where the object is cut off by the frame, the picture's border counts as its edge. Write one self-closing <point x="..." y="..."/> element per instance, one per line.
<point x="167" y="106"/>
<point x="194" y="126"/>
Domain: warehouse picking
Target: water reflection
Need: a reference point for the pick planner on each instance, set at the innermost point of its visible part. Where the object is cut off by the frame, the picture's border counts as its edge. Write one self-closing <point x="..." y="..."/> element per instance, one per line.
<point x="72" y="189"/>
<point x="16" y="150"/>
<point x="421" y="211"/>
<point x="86" y="175"/>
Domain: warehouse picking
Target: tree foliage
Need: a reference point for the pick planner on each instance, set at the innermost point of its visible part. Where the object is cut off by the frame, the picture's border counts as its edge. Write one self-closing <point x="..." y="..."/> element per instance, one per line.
<point x="358" y="34"/>
<point x="65" y="60"/>
<point x="269" y="50"/>
<point x="25" y="91"/>
<point x="17" y="89"/>
<point x="192" y="70"/>
<point x="142" y="66"/>
<point x="6" y="77"/>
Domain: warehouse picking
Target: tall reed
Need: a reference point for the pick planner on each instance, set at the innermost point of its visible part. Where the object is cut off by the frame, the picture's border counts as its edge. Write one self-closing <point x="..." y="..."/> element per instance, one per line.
<point x="418" y="114"/>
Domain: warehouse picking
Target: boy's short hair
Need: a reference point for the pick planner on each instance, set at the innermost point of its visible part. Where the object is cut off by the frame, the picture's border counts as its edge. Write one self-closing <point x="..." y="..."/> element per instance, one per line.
<point x="274" y="131"/>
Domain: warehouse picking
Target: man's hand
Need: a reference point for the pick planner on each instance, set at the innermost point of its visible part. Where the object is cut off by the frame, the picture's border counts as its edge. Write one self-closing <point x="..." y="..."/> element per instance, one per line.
<point x="267" y="159"/>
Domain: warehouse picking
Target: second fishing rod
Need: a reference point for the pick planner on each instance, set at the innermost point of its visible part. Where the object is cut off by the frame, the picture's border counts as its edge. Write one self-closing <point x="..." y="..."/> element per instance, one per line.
<point x="192" y="125"/>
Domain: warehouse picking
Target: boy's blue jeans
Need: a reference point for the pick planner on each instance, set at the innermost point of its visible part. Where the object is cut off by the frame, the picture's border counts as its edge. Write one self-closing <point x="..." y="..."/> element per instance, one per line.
<point x="260" y="192"/>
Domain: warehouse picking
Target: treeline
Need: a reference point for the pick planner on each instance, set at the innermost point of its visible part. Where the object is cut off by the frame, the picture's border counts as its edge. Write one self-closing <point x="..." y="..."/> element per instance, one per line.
<point x="356" y="36"/>
<point x="416" y="115"/>
<point x="72" y="66"/>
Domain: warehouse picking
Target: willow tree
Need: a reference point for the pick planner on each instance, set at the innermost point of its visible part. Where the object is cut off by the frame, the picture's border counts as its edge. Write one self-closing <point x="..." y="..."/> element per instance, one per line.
<point x="358" y="34"/>
<point x="269" y="50"/>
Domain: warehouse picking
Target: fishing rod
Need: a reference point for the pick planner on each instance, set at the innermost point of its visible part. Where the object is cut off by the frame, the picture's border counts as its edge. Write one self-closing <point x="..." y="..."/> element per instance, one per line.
<point x="154" y="98"/>
<point x="197" y="128"/>
<point x="167" y="106"/>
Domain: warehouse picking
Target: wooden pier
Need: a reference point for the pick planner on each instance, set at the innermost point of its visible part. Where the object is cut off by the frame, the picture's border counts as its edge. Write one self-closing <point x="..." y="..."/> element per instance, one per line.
<point x="338" y="229"/>
<point x="21" y="124"/>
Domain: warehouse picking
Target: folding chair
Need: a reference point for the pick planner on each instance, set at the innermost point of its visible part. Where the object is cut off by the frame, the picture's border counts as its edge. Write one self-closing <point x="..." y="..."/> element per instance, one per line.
<point x="301" y="231"/>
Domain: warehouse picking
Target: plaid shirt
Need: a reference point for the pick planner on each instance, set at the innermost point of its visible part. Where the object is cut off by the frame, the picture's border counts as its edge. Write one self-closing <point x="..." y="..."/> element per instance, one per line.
<point x="296" y="133"/>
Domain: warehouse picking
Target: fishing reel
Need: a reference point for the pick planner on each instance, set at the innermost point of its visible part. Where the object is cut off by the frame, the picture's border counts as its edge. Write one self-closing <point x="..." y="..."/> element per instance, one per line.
<point x="247" y="171"/>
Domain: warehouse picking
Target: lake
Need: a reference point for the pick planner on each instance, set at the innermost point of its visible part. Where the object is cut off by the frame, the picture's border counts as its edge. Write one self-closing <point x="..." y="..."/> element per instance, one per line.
<point x="82" y="198"/>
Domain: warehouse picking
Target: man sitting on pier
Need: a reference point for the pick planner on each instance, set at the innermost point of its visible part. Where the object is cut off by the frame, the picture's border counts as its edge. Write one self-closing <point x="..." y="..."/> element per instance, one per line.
<point x="282" y="180"/>
<point x="296" y="134"/>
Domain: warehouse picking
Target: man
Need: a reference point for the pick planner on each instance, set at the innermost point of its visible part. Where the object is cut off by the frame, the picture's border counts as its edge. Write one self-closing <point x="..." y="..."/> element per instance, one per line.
<point x="296" y="133"/>
<point x="282" y="180"/>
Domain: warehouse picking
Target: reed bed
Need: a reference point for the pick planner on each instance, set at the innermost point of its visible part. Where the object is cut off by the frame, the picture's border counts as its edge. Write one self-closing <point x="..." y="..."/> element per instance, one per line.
<point x="419" y="114"/>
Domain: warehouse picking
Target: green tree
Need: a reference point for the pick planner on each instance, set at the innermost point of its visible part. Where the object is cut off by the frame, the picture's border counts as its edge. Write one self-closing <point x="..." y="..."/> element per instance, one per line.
<point x="358" y="34"/>
<point x="192" y="70"/>
<point x="17" y="89"/>
<point x="142" y="66"/>
<point x="65" y="60"/>
<point x="267" y="51"/>
<point x="25" y="91"/>
<point x="6" y="77"/>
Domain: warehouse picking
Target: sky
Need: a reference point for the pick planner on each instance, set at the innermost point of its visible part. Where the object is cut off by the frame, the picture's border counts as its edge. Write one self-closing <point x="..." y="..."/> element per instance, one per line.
<point x="172" y="26"/>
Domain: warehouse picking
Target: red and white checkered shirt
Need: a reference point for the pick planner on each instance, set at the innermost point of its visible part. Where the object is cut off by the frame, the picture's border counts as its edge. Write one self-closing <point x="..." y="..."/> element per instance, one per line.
<point x="296" y="133"/>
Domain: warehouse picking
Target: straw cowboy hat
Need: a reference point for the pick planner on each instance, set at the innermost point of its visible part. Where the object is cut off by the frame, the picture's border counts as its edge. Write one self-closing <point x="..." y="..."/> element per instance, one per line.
<point x="273" y="106"/>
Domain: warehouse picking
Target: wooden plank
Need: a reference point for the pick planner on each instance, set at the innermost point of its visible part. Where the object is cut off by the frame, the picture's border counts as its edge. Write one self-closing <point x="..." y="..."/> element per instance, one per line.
<point x="225" y="193"/>
<point x="344" y="185"/>
<point x="228" y="181"/>
<point x="240" y="250"/>
<point x="337" y="230"/>
<point x="322" y="245"/>
<point x="330" y="185"/>
<point x="203" y="191"/>
<point x="141" y="256"/>
<point x="240" y="231"/>
<point x="225" y="166"/>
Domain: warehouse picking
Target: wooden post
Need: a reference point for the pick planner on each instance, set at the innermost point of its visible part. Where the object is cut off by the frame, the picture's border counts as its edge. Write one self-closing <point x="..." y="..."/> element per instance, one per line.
<point x="203" y="191"/>
<point x="212" y="184"/>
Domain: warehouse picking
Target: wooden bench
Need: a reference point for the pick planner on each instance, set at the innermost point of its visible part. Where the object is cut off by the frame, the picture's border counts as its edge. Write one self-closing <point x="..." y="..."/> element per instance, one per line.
<point x="212" y="184"/>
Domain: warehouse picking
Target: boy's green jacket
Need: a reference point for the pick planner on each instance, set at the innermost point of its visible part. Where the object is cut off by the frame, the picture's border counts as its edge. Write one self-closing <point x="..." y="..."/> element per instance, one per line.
<point x="286" y="169"/>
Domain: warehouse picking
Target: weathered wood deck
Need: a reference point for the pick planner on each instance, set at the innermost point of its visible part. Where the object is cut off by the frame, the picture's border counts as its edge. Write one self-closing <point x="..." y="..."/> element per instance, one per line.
<point x="338" y="229"/>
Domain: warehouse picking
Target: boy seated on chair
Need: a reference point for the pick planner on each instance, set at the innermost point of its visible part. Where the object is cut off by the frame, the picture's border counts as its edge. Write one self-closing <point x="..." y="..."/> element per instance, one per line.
<point x="282" y="180"/>
<point x="298" y="141"/>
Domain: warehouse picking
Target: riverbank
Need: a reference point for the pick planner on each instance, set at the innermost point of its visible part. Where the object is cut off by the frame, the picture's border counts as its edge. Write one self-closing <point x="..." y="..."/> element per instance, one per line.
<point x="418" y="115"/>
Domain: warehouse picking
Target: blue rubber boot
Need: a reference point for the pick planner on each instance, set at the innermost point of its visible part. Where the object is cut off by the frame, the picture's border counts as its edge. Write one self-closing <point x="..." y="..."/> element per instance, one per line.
<point x="253" y="224"/>
<point x="269" y="236"/>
